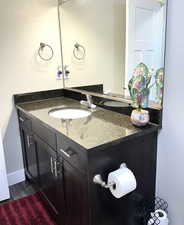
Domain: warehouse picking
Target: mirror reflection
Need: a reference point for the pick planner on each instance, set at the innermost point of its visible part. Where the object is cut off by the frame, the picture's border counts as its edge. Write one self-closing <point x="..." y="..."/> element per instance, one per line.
<point x="117" y="43"/>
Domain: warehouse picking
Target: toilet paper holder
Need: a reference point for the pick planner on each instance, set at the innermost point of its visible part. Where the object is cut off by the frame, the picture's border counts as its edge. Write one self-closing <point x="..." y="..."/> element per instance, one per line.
<point x="97" y="179"/>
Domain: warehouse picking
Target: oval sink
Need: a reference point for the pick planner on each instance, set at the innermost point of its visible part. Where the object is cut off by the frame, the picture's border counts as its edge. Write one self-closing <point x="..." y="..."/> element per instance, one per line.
<point x="115" y="104"/>
<point x="69" y="113"/>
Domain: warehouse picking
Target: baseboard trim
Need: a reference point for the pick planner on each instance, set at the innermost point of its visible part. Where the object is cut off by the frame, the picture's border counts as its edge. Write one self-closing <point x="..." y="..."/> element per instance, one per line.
<point x="16" y="177"/>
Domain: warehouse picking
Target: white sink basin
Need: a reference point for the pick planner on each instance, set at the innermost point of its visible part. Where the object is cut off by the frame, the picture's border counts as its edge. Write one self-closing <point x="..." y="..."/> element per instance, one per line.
<point x="69" y="113"/>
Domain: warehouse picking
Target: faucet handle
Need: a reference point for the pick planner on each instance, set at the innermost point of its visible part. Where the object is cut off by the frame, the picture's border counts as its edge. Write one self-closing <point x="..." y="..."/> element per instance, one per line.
<point x="89" y="98"/>
<point x="89" y="102"/>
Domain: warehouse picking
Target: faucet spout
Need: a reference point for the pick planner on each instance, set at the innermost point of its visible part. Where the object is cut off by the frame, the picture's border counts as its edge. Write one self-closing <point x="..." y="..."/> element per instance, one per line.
<point x="89" y="102"/>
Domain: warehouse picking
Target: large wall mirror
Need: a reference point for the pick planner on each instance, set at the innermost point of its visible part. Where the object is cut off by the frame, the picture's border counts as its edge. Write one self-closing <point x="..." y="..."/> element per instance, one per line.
<point x="111" y="41"/>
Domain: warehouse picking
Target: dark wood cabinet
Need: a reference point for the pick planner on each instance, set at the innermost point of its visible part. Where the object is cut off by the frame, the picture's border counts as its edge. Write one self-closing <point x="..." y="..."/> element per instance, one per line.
<point x="29" y="151"/>
<point x="63" y="171"/>
<point x="47" y="165"/>
<point x="76" y="196"/>
<point x="43" y="167"/>
<point x="61" y="200"/>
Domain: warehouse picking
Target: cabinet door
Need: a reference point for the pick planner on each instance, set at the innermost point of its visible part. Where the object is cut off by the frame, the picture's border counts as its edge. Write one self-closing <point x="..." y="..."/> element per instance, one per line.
<point x="75" y="196"/>
<point x="60" y="201"/>
<point x="29" y="152"/>
<point x="49" y="177"/>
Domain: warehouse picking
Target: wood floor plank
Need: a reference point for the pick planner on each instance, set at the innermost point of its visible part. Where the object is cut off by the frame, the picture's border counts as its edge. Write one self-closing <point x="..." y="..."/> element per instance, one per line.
<point x="20" y="190"/>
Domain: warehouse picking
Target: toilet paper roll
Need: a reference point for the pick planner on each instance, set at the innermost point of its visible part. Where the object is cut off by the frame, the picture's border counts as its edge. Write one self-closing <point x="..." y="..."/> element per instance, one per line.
<point x="121" y="182"/>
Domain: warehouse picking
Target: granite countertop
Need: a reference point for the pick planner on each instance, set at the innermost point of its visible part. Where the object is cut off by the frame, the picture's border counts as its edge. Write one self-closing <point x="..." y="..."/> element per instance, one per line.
<point x="101" y="127"/>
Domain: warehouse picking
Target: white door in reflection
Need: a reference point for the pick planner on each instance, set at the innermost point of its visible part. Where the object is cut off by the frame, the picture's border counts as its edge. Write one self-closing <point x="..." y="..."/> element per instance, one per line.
<point x="145" y="37"/>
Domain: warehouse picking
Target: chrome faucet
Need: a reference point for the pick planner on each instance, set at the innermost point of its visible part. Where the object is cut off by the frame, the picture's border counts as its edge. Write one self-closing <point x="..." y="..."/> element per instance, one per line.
<point x="89" y="102"/>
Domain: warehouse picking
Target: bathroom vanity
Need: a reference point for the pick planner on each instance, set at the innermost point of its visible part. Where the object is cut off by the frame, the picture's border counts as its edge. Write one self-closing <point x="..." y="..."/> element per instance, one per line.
<point x="61" y="157"/>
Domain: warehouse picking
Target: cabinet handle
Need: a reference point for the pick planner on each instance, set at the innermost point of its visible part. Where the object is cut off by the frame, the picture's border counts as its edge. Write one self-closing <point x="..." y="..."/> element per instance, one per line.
<point x="65" y="153"/>
<point x="28" y="141"/>
<point x="51" y="165"/>
<point x="21" y="119"/>
<point x="55" y="168"/>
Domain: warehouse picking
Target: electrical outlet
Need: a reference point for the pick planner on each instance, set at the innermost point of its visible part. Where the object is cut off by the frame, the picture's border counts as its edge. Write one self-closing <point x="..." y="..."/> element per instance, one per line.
<point x="59" y="74"/>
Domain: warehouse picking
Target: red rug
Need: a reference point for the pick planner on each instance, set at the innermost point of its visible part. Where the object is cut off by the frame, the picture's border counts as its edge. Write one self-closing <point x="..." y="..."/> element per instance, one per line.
<point x="25" y="211"/>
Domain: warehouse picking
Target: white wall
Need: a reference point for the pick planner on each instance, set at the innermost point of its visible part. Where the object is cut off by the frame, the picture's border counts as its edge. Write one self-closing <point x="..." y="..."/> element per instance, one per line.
<point x="23" y="25"/>
<point x="170" y="175"/>
<point x="100" y="27"/>
<point x="4" y="191"/>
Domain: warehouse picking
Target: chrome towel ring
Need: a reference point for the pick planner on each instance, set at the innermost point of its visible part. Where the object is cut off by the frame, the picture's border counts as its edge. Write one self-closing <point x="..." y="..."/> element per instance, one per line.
<point x="79" y="51"/>
<point x="40" y="51"/>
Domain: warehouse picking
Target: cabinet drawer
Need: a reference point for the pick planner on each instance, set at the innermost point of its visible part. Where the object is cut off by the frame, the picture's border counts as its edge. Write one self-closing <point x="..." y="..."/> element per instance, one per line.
<point x="72" y="152"/>
<point x="44" y="133"/>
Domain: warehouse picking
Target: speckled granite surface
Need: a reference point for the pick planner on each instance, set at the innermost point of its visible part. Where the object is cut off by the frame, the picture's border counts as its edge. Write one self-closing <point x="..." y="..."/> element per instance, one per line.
<point x="101" y="127"/>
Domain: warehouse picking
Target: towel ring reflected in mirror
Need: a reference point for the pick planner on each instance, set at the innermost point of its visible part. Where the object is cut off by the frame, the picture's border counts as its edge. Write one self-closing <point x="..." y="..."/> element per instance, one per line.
<point x="41" y="49"/>
<point x="79" y="51"/>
